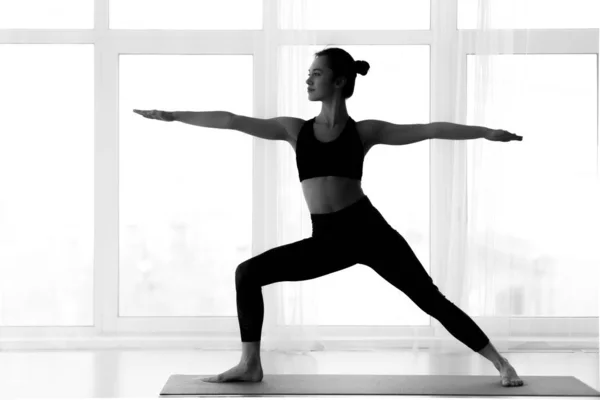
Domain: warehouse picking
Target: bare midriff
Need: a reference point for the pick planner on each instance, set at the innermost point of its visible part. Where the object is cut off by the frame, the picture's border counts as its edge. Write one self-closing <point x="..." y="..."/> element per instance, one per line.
<point x="327" y="194"/>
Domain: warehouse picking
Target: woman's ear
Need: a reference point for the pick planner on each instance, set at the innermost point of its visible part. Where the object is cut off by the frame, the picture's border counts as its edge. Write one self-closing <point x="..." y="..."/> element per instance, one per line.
<point x="339" y="82"/>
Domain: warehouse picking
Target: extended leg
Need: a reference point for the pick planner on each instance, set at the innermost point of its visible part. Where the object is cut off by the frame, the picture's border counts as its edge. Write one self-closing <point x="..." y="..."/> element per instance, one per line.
<point x="395" y="261"/>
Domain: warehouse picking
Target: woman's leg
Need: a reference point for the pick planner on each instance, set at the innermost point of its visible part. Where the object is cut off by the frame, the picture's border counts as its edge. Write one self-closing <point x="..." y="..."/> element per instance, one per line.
<point x="299" y="261"/>
<point x="393" y="259"/>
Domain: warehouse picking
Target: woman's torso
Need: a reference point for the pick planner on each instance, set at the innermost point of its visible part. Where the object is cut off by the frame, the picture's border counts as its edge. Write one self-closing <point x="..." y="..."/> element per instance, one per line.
<point x="327" y="194"/>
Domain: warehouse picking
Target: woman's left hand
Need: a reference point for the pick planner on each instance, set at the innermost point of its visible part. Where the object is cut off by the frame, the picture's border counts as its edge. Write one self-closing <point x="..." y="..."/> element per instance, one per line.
<point x="500" y="135"/>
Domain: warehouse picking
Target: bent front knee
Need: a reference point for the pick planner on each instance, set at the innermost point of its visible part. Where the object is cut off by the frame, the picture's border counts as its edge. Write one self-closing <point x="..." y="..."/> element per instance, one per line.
<point x="243" y="273"/>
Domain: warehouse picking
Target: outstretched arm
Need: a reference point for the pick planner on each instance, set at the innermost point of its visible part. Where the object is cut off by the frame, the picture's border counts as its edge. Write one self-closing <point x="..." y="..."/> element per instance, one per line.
<point x="383" y="132"/>
<point x="449" y="130"/>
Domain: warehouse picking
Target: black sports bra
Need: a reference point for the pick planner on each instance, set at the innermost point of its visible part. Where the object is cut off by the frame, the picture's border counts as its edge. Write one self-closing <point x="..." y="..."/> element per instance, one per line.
<point x="343" y="156"/>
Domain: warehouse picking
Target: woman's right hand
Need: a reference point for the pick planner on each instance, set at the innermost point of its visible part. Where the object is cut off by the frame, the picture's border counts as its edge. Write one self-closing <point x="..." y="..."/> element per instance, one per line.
<point x="156" y="114"/>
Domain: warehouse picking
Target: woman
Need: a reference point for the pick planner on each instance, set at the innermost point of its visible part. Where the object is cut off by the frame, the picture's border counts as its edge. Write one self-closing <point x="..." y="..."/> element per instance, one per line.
<point x="347" y="228"/>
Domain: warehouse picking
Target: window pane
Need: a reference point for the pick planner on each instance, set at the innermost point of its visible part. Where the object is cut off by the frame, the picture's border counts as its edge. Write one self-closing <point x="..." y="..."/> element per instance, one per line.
<point x="354" y="14"/>
<point x="49" y="14"/>
<point x="186" y="14"/>
<point x="398" y="80"/>
<point x="47" y="181"/>
<point x="541" y="189"/>
<point x="532" y="14"/>
<point x="185" y="192"/>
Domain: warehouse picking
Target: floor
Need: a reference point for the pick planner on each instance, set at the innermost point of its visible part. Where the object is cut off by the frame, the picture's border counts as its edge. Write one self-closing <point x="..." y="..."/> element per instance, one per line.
<point x="137" y="373"/>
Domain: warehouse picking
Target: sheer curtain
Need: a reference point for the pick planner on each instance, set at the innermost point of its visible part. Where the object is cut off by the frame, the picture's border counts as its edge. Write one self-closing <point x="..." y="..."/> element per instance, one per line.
<point x="289" y="319"/>
<point x="521" y="226"/>
<point x="486" y="254"/>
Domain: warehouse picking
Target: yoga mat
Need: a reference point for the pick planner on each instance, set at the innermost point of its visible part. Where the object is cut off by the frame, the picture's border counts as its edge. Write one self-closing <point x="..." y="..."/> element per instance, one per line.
<point x="432" y="385"/>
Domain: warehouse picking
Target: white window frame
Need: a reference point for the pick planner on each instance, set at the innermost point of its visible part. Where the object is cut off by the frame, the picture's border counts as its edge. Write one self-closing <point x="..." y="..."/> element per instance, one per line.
<point x="110" y="330"/>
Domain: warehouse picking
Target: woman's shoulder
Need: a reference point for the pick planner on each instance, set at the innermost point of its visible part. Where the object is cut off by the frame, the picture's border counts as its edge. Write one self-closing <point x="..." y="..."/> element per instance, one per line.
<point x="293" y="126"/>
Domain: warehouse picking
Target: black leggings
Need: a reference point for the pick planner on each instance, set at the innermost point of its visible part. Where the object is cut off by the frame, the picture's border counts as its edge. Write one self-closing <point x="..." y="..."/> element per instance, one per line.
<point x="358" y="234"/>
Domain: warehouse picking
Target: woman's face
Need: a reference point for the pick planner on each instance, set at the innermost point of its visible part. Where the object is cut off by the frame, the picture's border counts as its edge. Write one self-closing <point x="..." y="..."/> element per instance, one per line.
<point x="316" y="82"/>
<point x="319" y="79"/>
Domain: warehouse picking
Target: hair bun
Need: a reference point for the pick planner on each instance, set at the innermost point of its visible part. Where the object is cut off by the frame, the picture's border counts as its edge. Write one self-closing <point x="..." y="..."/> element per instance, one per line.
<point x="362" y="67"/>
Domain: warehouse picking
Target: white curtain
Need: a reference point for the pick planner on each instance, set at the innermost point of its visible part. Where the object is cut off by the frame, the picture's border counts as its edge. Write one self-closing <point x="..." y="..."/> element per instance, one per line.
<point x="492" y="245"/>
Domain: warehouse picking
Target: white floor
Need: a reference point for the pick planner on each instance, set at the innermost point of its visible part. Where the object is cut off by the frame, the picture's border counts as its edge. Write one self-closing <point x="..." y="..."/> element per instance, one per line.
<point x="137" y="373"/>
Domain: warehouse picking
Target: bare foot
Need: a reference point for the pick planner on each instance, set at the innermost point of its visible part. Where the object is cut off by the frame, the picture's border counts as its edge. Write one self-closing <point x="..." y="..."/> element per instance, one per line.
<point x="239" y="373"/>
<point x="509" y="375"/>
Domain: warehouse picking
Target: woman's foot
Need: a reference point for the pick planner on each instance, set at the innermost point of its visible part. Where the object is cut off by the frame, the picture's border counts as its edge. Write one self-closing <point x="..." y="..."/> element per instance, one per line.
<point x="509" y="375"/>
<point x="239" y="373"/>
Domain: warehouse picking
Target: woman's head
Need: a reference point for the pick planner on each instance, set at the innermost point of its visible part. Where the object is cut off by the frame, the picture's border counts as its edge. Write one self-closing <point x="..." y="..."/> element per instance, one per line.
<point x="335" y="71"/>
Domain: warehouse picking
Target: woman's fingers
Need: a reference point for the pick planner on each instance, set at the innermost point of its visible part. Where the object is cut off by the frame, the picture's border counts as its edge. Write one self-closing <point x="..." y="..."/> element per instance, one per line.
<point x="143" y="113"/>
<point x="156" y="114"/>
<point x="152" y="114"/>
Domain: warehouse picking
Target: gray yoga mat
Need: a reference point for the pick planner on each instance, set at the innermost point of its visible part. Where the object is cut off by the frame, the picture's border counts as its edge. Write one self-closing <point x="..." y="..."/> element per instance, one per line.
<point x="431" y="385"/>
